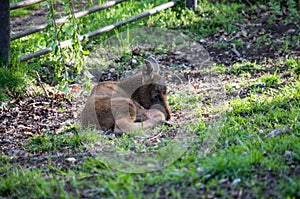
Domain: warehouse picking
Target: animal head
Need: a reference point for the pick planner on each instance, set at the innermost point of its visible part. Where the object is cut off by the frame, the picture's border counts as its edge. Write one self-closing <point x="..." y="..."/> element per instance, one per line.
<point x="153" y="91"/>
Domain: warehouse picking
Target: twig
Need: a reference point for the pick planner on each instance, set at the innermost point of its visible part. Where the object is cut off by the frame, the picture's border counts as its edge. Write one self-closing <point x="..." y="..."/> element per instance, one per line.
<point x="234" y="50"/>
<point x="41" y="84"/>
<point x="154" y="137"/>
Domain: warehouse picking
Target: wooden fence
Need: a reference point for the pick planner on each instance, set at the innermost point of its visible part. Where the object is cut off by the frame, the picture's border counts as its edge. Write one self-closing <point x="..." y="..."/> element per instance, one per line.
<point x="5" y="36"/>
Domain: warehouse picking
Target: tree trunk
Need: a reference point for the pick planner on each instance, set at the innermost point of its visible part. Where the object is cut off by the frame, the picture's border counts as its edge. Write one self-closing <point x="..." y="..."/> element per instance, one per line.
<point x="191" y="4"/>
<point x="4" y="33"/>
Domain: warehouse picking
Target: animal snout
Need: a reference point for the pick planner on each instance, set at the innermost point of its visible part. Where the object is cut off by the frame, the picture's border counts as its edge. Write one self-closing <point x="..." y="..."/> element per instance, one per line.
<point x="163" y="109"/>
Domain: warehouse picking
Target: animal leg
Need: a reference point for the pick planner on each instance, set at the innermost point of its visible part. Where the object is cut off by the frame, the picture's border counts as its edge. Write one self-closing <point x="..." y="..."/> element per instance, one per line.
<point x="154" y="117"/>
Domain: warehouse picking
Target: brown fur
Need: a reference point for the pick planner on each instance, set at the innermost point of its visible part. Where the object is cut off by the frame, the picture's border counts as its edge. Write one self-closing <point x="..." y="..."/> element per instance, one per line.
<point x="139" y="102"/>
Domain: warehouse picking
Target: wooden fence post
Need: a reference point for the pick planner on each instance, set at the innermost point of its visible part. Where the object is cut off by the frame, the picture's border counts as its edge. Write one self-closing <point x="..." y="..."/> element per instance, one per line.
<point x="191" y="4"/>
<point x="4" y="33"/>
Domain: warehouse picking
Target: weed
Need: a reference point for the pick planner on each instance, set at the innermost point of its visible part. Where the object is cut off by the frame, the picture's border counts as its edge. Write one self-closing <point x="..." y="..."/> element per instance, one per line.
<point x="243" y="68"/>
<point x="270" y="80"/>
<point x="51" y="142"/>
<point x="297" y="67"/>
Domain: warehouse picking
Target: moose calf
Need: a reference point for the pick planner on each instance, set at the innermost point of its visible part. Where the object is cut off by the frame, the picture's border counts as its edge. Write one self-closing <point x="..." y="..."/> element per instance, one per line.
<point x="138" y="102"/>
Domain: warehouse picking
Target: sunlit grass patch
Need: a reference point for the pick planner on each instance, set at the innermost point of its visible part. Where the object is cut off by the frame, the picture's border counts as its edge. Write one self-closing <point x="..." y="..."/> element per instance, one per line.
<point x="50" y="142"/>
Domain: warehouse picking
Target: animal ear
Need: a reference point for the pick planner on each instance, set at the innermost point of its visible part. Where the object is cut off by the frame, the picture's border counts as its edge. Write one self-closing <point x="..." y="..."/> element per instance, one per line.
<point x="150" y="67"/>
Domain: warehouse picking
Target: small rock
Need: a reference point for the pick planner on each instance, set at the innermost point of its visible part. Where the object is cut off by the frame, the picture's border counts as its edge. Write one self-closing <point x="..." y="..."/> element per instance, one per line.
<point x="236" y="181"/>
<point x="244" y="33"/>
<point x="28" y="133"/>
<point x="223" y="180"/>
<point x="17" y="152"/>
<point x="134" y="61"/>
<point x="235" y="85"/>
<point x="112" y="70"/>
<point x="291" y="31"/>
<point x="69" y="134"/>
<point x="287" y="129"/>
<point x="177" y="53"/>
<point x="199" y="170"/>
<point x="248" y="46"/>
<point x="275" y="132"/>
<point x="71" y="160"/>
<point x="288" y="154"/>
<point x="260" y="84"/>
<point x="6" y="141"/>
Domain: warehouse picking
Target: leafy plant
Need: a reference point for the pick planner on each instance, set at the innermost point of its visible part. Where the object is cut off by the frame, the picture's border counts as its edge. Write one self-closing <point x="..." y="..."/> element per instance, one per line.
<point x="51" y="142"/>
<point x="270" y="80"/>
<point x="246" y="67"/>
<point x="67" y="63"/>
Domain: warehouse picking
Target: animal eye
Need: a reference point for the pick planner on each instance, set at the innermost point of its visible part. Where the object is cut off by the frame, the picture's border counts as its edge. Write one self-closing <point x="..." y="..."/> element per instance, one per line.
<point x="156" y="96"/>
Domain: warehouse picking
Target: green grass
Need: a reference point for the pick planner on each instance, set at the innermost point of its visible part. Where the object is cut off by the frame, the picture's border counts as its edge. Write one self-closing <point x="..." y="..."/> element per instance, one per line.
<point x="208" y="19"/>
<point x="12" y="79"/>
<point x="243" y="157"/>
<point x="24" y="11"/>
<point x="54" y="142"/>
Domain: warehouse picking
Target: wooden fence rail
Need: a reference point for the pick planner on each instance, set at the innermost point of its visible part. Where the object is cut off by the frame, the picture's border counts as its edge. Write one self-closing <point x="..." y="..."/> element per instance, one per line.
<point x="191" y="4"/>
<point x="68" y="43"/>
<point x="4" y="33"/>
<point x="63" y="20"/>
<point x="22" y="4"/>
<point x="5" y="37"/>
